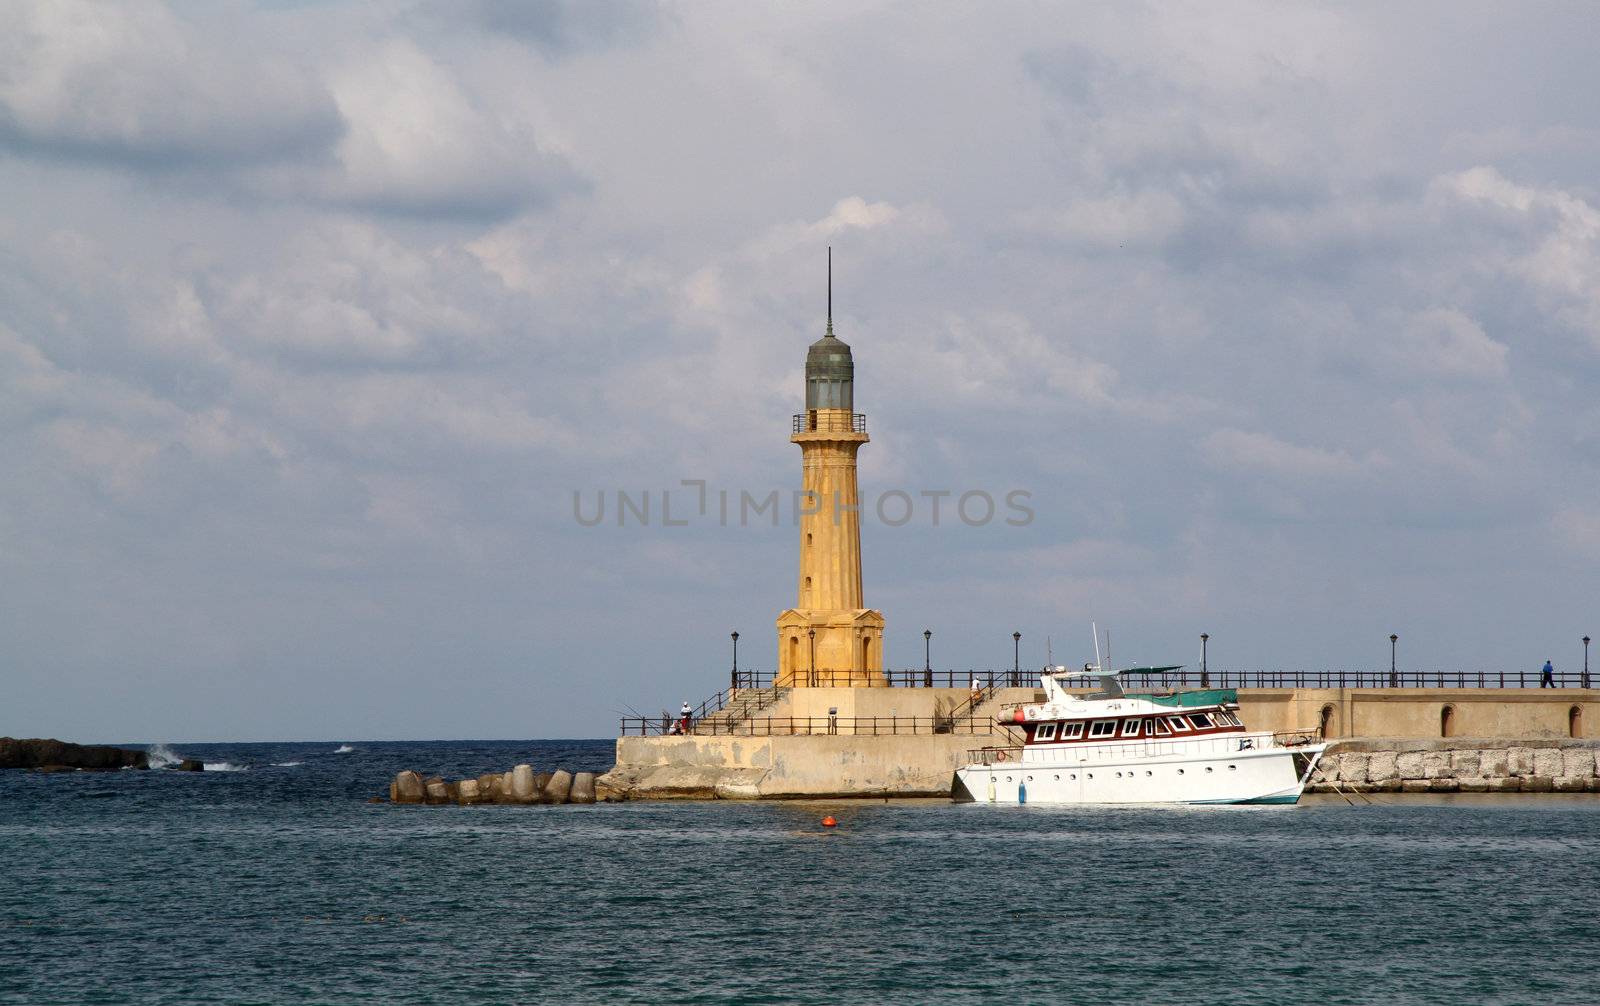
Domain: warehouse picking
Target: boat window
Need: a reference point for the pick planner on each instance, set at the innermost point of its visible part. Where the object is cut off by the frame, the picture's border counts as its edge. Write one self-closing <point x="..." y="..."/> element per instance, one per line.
<point x="1103" y="728"/>
<point x="1130" y="728"/>
<point x="1047" y="732"/>
<point x="1072" y="731"/>
<point x="1177" y="724"/>
<point x="1161" y="728"/>
<point x="1200" y="720"/>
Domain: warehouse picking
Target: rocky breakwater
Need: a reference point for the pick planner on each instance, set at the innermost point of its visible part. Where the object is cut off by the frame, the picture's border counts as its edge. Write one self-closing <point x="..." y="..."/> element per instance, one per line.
<point x="521" y="785"/>
<point x="1459" y="765"/>
<point x="49" y="755"/>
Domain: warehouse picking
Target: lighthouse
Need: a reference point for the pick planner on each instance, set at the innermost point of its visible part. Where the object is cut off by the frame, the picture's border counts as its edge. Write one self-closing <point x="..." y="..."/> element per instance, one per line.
<point x="830" y="638"/>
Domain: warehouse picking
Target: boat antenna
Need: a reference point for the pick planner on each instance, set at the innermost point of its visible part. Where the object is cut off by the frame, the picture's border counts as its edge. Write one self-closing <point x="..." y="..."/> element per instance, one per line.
<point x="1049" y="655"/>
<point x="1099" y="665"/>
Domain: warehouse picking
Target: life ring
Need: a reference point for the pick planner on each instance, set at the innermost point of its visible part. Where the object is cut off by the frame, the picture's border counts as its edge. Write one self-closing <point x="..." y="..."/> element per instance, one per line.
<point x="1000" y="756"/>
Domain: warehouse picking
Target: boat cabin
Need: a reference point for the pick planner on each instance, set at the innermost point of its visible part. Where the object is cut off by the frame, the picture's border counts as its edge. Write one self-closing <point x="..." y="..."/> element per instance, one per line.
<point x="1174" y="724"/>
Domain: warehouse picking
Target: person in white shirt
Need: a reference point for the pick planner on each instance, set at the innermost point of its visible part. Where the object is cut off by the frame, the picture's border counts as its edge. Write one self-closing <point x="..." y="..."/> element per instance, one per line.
<point x="683" y="716"/>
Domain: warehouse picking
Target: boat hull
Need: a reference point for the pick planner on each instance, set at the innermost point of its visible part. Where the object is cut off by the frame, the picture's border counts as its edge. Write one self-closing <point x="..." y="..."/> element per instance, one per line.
<point x="1123" y="774"/>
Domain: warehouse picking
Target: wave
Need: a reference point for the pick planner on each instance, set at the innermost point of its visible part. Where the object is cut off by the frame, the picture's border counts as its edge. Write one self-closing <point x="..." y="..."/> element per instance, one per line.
<point x="344" y="749"/>
<point x="225" y="766"/>
<point x="161" y="756"/>
<point x="287" y="764"/>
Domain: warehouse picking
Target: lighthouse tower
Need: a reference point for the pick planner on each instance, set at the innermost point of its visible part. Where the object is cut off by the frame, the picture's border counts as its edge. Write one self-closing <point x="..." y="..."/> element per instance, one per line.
<point x="830" y="638"/>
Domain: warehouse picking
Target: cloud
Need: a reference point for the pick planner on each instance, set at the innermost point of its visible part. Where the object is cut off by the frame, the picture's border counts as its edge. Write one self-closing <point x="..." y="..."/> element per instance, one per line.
<point x="418" y="143"/>
<point x="1560" y="252"/>
<point x="312" y="316"/>
<point x="1147" y="218"/>
<point x="562" y="27"/>
<point x="137" y="85"/>
<point x="1446" y="343"/>
<point x="386" y="130"/>
<point x="1579" y="529"/>
<point x="1264" y="453"/>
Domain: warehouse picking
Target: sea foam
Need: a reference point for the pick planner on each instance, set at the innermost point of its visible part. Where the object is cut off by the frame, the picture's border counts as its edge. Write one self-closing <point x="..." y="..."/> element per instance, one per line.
<point x="161" y="756"/>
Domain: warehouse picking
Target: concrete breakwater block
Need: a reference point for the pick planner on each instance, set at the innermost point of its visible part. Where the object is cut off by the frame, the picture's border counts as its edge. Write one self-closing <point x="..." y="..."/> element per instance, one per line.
<point x="522" y="789"/>
<point x="559" y="787"/>
<point x="407" y="787"/>
<point x="521" y="785"/>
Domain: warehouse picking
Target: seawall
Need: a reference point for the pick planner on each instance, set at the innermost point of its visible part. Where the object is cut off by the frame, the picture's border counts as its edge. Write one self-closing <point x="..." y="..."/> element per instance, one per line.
<point x="1460" y="765"/>
<point x="785" y="767"/>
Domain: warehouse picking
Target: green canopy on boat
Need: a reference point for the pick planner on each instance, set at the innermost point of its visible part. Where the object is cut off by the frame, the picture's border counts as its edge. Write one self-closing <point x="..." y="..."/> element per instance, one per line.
<point x="1190" y="700"/>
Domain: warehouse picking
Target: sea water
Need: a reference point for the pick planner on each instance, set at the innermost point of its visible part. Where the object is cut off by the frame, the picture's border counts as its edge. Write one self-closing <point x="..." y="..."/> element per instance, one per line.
<point x="273" y="881"/>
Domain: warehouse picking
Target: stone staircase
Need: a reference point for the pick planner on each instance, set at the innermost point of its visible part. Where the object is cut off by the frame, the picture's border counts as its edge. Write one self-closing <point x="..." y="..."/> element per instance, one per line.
<point x="746" y="704"/>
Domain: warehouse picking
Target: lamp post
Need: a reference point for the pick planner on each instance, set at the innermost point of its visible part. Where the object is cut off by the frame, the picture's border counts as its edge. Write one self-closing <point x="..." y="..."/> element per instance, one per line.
<point x="735" y="680"/>
<point x="1016" y="660"/>
<point x="1205" y="677"/>
<point x="1586" y="661"/>
<point x="1394" y="676"/>
<point x="811" y="634"/>
<point x="927" y="667"/>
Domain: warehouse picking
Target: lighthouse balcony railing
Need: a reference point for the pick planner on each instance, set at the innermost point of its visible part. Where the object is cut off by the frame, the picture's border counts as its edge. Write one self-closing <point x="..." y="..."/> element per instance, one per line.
<point x="830" y="421"/>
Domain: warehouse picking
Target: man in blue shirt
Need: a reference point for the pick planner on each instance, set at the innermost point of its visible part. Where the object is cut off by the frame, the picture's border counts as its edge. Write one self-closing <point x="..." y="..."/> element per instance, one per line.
<point x="1549" y="679"/>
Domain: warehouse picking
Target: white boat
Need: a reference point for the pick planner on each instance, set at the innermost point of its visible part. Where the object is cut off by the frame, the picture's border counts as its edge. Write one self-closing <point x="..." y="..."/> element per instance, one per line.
<point x="1115" y="746"/>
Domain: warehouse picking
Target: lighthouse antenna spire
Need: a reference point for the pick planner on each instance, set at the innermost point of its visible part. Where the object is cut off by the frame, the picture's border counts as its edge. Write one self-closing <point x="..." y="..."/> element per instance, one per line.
<point x="830" y="289"/>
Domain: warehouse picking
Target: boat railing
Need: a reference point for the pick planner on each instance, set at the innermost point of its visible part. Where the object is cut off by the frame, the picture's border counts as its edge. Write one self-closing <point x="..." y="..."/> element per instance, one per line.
<point x="994" y="755"/>
<point x="1300" y="738"/>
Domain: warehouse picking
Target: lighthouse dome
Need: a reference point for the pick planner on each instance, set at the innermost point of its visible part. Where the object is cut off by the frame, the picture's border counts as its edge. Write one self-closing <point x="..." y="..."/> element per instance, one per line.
<point x="830" y="374"/>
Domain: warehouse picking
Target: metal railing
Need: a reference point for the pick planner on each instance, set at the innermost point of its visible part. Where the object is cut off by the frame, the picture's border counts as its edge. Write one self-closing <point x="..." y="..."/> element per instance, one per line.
<point x="743" y="683"/>
<point x="904" y="678"/>
<point x="829" y="421"/>
<point x="1186" y="678"/>
<point x="1351" y="679"/>
<point x="789" y="726"/>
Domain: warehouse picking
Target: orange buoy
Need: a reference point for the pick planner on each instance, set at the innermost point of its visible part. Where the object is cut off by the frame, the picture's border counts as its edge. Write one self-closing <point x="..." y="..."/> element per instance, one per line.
<point x="829" y="822"/>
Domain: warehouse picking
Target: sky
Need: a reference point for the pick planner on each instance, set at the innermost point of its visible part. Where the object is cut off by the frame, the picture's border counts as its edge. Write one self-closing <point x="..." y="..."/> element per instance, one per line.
<point x="324" y="329"/>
